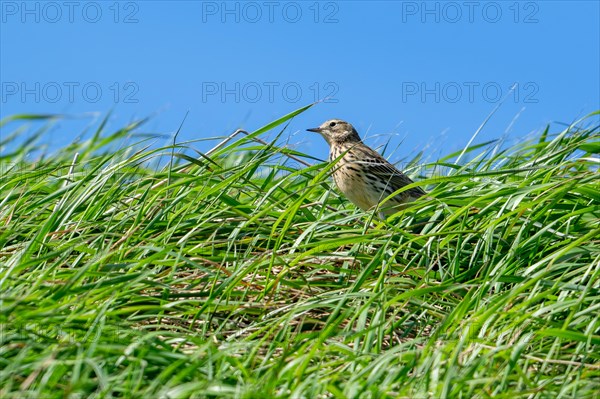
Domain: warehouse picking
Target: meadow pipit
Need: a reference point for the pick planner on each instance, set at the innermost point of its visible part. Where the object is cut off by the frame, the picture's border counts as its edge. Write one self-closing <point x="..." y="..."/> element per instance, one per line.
<point x="364" y="176"/>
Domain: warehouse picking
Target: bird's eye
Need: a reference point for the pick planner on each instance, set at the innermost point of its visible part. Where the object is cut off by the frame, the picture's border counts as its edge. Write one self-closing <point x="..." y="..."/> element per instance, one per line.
<point x="332" y="124"/>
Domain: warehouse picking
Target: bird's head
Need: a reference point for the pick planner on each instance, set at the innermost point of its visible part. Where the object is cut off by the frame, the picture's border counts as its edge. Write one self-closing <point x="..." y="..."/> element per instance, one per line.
<point x="336" y="131"/>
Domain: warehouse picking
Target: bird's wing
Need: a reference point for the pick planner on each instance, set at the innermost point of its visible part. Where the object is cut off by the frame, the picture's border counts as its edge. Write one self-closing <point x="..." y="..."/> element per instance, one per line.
<point x="389" y="175"/>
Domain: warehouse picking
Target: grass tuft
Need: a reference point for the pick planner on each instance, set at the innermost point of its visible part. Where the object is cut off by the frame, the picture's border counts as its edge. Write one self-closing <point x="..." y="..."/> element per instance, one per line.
<point x="242" y="273"/>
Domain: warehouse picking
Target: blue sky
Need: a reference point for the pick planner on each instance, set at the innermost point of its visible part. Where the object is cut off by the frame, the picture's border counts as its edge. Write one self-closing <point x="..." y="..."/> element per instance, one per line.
<point x="423" y="75"/>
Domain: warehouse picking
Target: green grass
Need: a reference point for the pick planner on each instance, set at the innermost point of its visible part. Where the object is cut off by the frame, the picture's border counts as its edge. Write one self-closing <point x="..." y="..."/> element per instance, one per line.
<point x="133" y="271"/>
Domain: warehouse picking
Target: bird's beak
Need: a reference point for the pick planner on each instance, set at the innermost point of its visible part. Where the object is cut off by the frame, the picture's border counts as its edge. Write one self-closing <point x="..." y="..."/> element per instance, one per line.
<point x="315" y="129"/>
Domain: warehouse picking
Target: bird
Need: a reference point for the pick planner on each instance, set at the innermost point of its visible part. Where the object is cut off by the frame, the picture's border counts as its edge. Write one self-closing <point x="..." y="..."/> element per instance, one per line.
<point x="362" y="174"/>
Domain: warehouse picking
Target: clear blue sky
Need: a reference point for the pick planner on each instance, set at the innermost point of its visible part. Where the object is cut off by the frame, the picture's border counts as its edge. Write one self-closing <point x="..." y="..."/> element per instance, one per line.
<point x="424" y="74"/>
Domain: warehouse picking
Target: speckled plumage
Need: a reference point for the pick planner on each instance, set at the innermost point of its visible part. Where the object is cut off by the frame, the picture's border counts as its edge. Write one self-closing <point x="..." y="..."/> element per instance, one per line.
<point x="364" y="176"/>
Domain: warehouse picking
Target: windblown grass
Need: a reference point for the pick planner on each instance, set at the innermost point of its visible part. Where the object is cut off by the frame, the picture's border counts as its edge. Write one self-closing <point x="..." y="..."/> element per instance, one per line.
<point x="242" y="273"/>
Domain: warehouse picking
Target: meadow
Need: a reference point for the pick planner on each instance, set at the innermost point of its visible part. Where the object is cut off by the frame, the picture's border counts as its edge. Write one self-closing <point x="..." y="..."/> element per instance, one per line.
<point x="131" y="270"/>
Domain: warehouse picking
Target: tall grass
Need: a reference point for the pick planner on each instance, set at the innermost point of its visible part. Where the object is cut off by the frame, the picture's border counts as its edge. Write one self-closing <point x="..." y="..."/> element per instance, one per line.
<point x="134" y="271"/>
